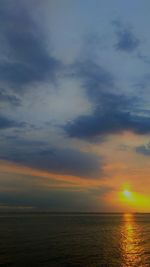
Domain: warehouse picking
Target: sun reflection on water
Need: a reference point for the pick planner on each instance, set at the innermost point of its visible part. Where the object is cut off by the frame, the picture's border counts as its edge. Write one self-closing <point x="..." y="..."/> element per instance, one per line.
<point x="132" y="248"/>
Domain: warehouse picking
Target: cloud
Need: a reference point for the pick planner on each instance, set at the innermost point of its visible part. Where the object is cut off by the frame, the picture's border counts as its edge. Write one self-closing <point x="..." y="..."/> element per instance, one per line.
<point x="143" y="57"/>
<point x="94" y="78"/>
<point x="27" y="59"/>
<point x="59" y="160"/>
<point x="11" y="99"/>
<point x="112" y="112"/>
<point x="144" y="149"/>
<point x="8" y="123"/>
<point x="126" y="40"/>
<point x="26" y="191"/>
<point x="104" y="123"/>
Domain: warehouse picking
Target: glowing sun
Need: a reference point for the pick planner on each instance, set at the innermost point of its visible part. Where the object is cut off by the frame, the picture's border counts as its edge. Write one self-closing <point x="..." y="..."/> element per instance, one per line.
<point x="127" y="193"/>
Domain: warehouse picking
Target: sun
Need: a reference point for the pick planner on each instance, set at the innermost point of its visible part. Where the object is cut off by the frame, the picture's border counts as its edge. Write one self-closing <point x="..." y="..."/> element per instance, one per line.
<point x="127" y="193"/>
<point x="134" y="200"/>
<point x="127" y="196"/>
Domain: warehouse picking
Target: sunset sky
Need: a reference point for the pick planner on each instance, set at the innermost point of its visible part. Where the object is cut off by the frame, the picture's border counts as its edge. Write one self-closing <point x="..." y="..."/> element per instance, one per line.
<point x="75" y="105"/>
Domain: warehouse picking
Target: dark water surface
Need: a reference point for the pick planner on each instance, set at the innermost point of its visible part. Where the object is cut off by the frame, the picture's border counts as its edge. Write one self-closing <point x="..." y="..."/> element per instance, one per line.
<point x="91" y="240"/>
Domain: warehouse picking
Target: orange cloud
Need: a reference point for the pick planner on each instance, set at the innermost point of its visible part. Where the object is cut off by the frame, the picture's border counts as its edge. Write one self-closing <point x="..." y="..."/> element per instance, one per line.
<point x="64" y="180"/>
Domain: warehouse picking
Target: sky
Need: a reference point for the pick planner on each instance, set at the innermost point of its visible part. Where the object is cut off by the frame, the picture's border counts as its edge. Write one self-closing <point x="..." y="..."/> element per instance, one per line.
<point x="75" y="105"/>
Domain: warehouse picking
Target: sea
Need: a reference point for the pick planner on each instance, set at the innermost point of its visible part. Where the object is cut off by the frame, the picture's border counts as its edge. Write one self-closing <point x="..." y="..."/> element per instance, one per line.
<point x="74" y="240"/>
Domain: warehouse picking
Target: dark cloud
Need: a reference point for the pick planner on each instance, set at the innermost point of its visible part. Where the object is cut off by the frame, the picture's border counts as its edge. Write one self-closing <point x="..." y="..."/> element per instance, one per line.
<point x="94" y="78"/>
<point x="64" y="161"/>
<point x="103" y="123"/>
<point x="28" y="59"/>
<point x="8" y="123"/>
<point x="11" y="99"/>
<point x="126" y="40"/>
<point x="112" y="113"/>
<point x="145" y="149"/>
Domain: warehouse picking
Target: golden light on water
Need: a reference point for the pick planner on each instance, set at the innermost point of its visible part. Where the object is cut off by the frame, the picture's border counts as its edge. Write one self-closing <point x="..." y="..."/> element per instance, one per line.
<point x="132" y="248"/>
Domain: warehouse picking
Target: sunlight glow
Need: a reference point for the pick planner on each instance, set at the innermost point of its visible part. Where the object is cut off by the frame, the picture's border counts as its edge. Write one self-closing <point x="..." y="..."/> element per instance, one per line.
<point x="127" y="193"/>
<point x="134" y="201"/>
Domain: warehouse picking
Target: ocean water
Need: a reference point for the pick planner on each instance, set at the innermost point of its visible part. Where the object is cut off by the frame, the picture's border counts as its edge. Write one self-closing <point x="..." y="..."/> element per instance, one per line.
<point x="75" y="240"/>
